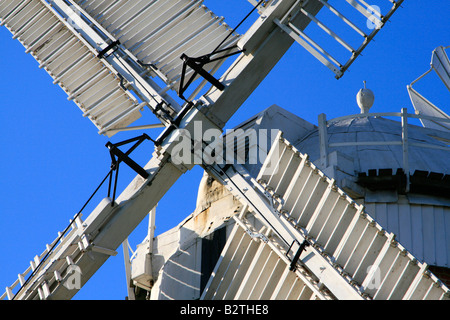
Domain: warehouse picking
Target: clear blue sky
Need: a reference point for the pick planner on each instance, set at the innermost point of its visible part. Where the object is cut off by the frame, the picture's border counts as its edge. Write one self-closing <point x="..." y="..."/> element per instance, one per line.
<point x="52" y="158"/>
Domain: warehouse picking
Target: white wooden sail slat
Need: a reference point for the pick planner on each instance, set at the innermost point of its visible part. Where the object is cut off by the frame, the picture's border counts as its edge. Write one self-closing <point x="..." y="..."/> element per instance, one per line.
<point x="20" y="18"/>
<point x="238" y="273"/>
<point x="191" y="43"/>
<point x="100" y="97"/>
<point x="97" y="7"/>
<point x="27" y="22"/>
<point x="89" y="83"/>
<point x="42" y="38"/>
<point x="117" y="7"/>
<point x="66" y="57"/>
<point x="323" y="210"/>
<point x="324" y="234"/>
<point x="253" y="272"/>
<point x="356" y="257"/>
<point x="107" y="8"/>
<point x="21" y="15"/>
<point x="290" y="195"/>
<point x="159" y="32"/>
<point x="141" y="35"/>
<point x="112" y="110"/>
<point x="310" y="199"/>
<point x="279" y="293"/>
<point x="150" y="18"/>
<point x="118" y="23"/>
<point x="389" y="280"/>
<point x="84" y="69"/>
<point x="368" y="257"/>
<point x="105" y="107"/>
<point x="118" y="121"/>
<point x="420" y="290"/>
<point x="10" y="6"/>
<point x="343" y="218"/>
<point x="293" y="162"/>
<point x="120" y="13"/>
<point x="263" y="269"/>
<point x="279" y="167"/>
<point x="48" y="53"/>
<point x="160" y="48"/>
<point x="404" y="280"/>
<point x="39" y="28"/>
<point x="271" y="276"/>
<point x="347" y="243"/>
<point x="205" y="42"/>
<point x="233" y="267"/>
<point x="63" y="59"/>
<point x="224" y="263"/>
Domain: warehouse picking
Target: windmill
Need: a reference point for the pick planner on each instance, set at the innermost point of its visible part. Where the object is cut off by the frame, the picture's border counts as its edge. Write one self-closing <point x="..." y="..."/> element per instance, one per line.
<point x="112" y="67"/>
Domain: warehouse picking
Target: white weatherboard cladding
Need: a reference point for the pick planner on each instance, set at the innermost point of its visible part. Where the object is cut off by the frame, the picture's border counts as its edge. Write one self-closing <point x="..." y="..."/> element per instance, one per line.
<point x="422" y="229"/>
<point x="71" y="62"/>
<point x="159" y="32"/>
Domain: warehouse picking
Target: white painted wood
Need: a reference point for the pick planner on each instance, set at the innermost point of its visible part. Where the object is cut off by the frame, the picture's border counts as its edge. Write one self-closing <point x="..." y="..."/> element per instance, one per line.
<point x="71" y="63"/>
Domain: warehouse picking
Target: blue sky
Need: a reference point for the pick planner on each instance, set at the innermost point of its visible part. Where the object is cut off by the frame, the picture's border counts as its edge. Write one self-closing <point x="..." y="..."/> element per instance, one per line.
<point x="52" y="158"/>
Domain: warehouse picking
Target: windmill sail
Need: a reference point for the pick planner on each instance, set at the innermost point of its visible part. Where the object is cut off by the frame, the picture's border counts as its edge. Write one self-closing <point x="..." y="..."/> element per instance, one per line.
<point x="157" y="33"/>
<point x="441" y="64"/>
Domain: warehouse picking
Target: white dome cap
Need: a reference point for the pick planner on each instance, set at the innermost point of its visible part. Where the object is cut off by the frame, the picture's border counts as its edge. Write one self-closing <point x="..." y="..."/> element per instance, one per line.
<point x="365" y="99"/>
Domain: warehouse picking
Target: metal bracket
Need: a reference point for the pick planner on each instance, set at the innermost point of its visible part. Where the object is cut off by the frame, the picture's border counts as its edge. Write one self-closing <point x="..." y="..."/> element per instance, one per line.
<point x="197" y="65"/>
<point x="117" y="156"/>
<point x="302" y="247"/>
<point x="114" y="46"/>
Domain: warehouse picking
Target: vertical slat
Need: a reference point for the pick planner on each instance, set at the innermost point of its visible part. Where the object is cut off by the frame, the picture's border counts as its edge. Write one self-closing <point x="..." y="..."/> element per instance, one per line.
<point x="279" y="291"/>
<point x="253" y="274"/>
<point x="388" y="284"/>
<point x="404" y="280"/>
<point x="274" y="276"/>
<point x="369" y="257"/>
<point x="310" y="197"/>
<point x="294" y="189"/>
<point x="224" y="263"/>
<point x="240" y="270"/>
<point x="352" y="234"/>
<point x="330" y="223"/>
<point x="322" y="211"/>
<point x="340" y="227"/>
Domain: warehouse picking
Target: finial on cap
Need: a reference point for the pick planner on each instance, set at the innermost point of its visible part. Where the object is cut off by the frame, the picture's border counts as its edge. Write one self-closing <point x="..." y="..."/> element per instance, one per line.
<point x="365" y="99"/>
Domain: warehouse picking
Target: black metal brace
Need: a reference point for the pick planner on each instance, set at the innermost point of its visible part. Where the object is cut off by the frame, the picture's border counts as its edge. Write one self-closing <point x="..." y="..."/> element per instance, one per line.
<point x="117" y="156"/>
<point x="303" y="245"/>
<point x="197" y="65"/>
<point x="114" y="45"/>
